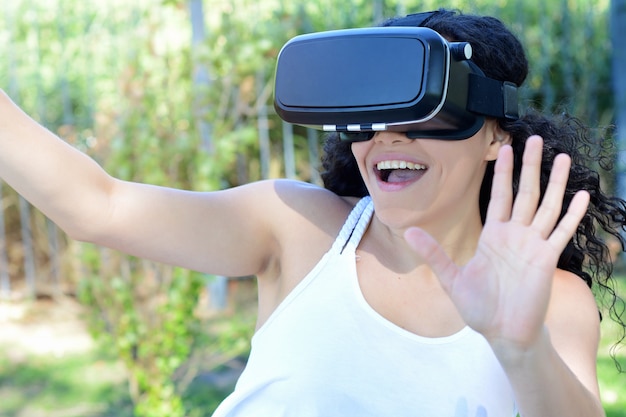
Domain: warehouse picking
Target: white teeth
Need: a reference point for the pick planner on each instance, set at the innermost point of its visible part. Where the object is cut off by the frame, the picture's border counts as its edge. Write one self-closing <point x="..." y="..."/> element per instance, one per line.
<point x="395" y="164"/>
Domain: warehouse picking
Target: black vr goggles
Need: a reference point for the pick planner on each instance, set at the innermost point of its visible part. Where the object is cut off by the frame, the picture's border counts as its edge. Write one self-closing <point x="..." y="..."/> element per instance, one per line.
<point x="404" y="79"/>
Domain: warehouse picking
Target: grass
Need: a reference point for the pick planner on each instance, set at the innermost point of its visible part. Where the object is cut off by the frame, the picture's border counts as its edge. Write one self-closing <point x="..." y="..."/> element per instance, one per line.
<point x="612" y="386"/>
<point x="612" y="383"/>
<point x="71" y="386"/>
<point x="83" y="385"/>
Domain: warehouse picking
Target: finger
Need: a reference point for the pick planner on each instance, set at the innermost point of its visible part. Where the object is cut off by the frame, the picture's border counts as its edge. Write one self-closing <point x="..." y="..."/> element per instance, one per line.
<point x="550" y="209"/>
<point x="499" y="208"/>
<point x="433" y="254"/>
<point x="569" y="223"/>
<point x="527" y="197"/>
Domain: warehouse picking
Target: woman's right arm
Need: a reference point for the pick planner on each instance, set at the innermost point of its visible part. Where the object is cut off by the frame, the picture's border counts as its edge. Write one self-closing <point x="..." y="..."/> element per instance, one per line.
<point x="231" y="232"/>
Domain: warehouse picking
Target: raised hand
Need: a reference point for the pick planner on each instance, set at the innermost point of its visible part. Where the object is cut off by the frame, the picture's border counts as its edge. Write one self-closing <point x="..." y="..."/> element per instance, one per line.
<point x="504" y="290"/>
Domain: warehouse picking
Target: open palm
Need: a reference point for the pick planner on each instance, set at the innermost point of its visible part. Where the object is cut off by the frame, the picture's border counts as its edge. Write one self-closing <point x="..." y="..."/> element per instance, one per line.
<point x="503" y="291"/>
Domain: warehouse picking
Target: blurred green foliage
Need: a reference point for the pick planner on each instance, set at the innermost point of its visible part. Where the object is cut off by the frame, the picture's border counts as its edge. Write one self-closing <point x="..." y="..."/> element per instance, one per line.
<point x="144" y="313"/>
<point x="64" y="385"/>
<point x="115" y="78"/>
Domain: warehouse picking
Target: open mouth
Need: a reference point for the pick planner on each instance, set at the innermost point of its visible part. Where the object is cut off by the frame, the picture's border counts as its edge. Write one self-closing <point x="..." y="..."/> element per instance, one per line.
<point x="397" y="171"/>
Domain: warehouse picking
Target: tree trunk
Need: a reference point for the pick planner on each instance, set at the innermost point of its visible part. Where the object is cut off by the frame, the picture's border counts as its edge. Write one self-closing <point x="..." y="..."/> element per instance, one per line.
<point x="201" y="76"/>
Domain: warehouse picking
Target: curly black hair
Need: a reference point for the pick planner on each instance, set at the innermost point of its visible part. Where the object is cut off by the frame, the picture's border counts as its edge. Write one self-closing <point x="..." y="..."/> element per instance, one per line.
<point x="501" y="56"/>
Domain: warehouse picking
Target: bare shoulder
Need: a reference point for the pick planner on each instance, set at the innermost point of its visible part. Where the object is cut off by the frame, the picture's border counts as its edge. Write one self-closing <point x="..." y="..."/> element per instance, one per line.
<point x="309" y="218"/>
<point x="300" y="201"/>
<point x="573" y="320"/>
<point x="572" y="297"/>
<point x="303" y="218"/>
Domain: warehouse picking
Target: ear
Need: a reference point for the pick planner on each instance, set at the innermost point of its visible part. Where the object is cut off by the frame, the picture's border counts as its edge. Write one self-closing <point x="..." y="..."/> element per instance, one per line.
<point x="498" y="137"/>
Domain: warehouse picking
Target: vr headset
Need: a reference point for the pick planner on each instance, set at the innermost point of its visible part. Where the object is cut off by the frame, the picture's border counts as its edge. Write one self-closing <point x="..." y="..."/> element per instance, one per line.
<point x="403" y="79"/>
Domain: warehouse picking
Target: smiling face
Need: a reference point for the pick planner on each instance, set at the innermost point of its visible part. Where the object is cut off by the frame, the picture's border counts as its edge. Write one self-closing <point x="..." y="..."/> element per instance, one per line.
<point x="429" y="183"/>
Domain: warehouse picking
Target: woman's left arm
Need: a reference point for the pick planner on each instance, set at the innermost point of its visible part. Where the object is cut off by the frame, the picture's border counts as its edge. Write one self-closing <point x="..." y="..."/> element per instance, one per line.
<point x="541" y="325"/>
<point x="557" y="374"/>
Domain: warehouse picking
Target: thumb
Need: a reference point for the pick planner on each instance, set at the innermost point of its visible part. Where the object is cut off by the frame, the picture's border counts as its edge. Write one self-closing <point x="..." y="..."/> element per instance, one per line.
<point x="433" y="254"/>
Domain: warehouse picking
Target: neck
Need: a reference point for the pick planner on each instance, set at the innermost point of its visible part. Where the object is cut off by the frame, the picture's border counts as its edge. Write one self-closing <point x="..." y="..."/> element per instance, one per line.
<point x="458" y="238"/>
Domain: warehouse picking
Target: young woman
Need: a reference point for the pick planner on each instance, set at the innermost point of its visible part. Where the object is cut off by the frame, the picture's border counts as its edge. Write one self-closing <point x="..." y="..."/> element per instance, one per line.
<point x="428" y="278"/>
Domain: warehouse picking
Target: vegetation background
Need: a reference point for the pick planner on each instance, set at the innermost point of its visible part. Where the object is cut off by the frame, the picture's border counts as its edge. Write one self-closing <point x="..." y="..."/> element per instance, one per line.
<point x="178" y="93"/>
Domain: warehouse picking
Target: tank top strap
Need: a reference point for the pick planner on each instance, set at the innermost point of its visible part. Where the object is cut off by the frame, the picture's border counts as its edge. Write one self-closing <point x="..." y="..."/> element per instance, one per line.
<point x="355" y="226"/>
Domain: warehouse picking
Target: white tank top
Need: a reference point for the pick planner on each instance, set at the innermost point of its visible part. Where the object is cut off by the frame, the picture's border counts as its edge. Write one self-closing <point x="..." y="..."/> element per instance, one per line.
<point x="325" y="352"/>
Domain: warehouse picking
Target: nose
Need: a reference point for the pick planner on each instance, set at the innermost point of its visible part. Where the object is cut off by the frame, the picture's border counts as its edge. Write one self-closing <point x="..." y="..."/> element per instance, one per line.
<point x="388" y="137"/>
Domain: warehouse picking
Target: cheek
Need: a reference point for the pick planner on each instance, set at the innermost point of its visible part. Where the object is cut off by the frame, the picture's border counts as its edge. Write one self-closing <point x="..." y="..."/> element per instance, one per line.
<point x="471" y="151"/>
<point x="358" y="148"/>
<point x="464" y="164"/>
<point x="359" y="151"/>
